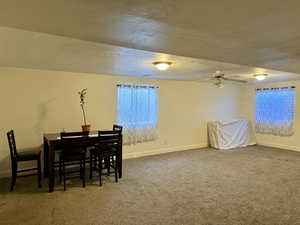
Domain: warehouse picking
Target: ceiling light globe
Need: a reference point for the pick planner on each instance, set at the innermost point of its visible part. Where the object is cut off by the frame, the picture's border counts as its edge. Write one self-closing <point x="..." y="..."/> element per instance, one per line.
<point x="260" y="76"/>
<point x="162" y="65"/>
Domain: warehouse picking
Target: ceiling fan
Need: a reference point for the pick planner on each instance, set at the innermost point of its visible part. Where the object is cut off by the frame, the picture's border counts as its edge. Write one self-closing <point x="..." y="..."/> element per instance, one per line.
<point x="218" y="77"/>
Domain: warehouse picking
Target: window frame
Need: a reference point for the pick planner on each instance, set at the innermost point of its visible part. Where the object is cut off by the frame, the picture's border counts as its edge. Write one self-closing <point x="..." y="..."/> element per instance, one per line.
<point x="277" y="121"/>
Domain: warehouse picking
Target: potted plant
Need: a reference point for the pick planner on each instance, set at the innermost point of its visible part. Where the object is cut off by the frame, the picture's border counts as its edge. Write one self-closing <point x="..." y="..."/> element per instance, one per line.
<point x="82" y="93"/>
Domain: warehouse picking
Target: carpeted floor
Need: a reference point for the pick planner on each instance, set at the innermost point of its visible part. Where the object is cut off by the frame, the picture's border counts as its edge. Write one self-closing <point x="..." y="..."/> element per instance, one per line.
<point x="253" y="185"/>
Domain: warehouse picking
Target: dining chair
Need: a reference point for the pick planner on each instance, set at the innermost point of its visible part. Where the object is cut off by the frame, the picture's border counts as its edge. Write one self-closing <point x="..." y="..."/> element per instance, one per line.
<point x="73" y="152"/>
<point x="117" y="128"/>
<point x="93" y="159"/>
<point x="107" y="148"/>
<point x="24" y="156"/>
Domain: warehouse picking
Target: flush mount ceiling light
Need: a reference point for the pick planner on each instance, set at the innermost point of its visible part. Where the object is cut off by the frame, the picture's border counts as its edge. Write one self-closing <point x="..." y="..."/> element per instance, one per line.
<point x="260" y="76"/>
<point x="162" y="65"/>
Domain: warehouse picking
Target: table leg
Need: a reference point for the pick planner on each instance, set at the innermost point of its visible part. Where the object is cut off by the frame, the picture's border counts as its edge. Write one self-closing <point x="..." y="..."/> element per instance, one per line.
<point x="46" y="158"/>
<point x="120" y="160"/>
<point x="51" y="169"/>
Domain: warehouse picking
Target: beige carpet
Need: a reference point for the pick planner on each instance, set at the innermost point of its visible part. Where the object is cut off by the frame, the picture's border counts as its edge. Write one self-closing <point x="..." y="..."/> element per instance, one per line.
<point x="254" y="185"/>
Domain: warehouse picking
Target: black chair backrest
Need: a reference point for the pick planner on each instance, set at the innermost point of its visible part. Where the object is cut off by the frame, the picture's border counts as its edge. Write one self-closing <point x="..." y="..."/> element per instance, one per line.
<point x="12" y="144"/>
<point x="74" y="134"/>
<point x="117" y="128"/>
<point x="72" y="140"/>
<point x="111" y="138"/>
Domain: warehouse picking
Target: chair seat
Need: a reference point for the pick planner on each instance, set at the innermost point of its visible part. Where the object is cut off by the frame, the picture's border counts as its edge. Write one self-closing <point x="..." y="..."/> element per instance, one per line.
<point x="73" y="155"/>
<point x="28" y="155"/>
<point x="104" y="151"/>
<point x="74" y="151"/>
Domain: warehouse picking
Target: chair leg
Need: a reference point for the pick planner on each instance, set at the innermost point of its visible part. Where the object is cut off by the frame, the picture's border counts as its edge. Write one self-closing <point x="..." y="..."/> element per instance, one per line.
<point x="83" y="172"/>
<point x="96" y="158"/>
<point x="39" y="172"/>
<point x="64" y="175"/>
<point x="100" y="170"/>
<point x="107" y="165"/>
<point x="80" y="168"/>
<point x="91" y="166"/>
<point x="115" y="163"/>
<point x="14" y="168"/>
<point x="60" y="171"/>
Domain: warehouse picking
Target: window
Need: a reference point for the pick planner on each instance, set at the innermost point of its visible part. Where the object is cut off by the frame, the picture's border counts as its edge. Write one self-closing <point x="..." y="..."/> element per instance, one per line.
<point x="137" y="112"/>
<point x="275" y="111"/>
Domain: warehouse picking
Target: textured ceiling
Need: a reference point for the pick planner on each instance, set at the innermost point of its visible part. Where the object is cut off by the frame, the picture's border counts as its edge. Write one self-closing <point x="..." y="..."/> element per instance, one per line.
<point x="254" y="33"/>
<point x="26" y="49"/>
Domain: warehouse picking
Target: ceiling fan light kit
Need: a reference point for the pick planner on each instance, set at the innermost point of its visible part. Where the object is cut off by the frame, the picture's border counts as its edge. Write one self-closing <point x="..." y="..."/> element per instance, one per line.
<point x="218" y="77"/>
<point x="218" y="84"/>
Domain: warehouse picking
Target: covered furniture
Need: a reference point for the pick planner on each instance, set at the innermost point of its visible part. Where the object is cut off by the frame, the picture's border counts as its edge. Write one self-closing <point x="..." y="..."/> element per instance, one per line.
<point x="229" y="134"/>
<point x="17" y="157"/>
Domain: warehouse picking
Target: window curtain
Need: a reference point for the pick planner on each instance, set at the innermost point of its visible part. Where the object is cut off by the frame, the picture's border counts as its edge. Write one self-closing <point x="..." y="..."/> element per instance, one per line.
<point x="137" y="112"/>
<point x="275" y="111"/>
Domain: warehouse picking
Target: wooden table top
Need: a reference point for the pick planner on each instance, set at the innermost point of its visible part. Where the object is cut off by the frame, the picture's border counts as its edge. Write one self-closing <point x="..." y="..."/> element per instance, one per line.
<point x="56" y="136"/>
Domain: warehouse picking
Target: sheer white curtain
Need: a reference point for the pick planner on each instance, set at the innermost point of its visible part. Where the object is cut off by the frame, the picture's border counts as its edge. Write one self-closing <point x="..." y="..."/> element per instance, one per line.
<point x="275" y="111"/>
<point x="137" y="112"/>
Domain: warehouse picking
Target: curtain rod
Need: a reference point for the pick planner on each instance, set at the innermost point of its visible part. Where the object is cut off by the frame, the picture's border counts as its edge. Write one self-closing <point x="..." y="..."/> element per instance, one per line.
<point x="274" y="88"/>
<point x="132" y="85"/>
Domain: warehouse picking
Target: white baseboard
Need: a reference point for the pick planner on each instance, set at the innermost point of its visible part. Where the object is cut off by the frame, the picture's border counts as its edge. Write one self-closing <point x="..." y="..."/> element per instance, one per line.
<point x="128" y="155"/>
<point x="276" y="145"/>
<point x="7" y="173"/>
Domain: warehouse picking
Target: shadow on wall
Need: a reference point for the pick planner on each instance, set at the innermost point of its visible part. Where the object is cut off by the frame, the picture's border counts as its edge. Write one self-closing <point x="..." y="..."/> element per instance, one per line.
<point x="43" y="109"/>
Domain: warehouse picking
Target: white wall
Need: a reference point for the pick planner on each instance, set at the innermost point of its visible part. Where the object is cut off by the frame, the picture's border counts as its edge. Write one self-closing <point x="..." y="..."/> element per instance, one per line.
<point x="34" y="102"/>
<point x="247" y="111"/>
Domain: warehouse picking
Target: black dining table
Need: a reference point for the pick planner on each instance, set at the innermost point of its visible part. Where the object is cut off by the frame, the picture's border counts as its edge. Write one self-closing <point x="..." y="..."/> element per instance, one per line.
<point x="52" y="143"/>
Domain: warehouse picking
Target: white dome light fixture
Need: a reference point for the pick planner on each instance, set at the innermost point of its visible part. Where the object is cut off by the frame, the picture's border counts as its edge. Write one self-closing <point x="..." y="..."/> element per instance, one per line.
<point x="260" y="76"/>
<point x="162" y="65"/>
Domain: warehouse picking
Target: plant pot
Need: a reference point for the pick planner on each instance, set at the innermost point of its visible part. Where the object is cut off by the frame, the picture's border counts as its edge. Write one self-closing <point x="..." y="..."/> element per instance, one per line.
<point x="86" y="127"/>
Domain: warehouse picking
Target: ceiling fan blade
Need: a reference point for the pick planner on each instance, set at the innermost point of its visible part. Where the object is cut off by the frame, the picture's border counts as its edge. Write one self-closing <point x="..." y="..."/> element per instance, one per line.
<point x="235" y="80"/>
<point x="207" y="79"/>
<point x="204" y="81"/>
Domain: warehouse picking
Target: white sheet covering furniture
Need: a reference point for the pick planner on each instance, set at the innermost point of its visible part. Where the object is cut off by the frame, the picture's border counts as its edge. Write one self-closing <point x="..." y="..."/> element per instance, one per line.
<point x="230" y="134"/>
